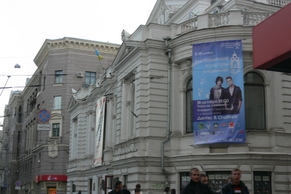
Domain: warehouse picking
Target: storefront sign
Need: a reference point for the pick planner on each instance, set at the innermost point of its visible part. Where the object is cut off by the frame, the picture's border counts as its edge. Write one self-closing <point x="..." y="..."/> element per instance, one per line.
<point x="51" y="178"/>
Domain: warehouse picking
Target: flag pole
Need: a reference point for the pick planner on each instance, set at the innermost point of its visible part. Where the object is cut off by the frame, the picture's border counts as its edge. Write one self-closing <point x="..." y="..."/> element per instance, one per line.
<point x="100" y="58"/>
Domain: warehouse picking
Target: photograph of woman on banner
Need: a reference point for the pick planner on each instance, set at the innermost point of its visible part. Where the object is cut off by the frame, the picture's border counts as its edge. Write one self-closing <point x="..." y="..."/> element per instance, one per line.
<point x="234" y="96"/>
<point x="217" y="97"/>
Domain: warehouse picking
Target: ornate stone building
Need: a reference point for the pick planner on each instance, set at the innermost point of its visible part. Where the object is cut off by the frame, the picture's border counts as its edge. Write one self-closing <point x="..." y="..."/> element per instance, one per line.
<point x="146" y="127"/>
<point x="37" y="122"/>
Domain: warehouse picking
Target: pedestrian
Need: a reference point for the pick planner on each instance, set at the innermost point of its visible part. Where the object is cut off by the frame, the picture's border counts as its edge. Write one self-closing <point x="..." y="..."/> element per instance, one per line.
<point x="117" y="189"/>
<point x="204" y="179"/>
<point x="173" y="191"/>
<point x="125" y="190"/>
<point x="235" y="185"/>
<point x="195" y="186"/>
<point x="79" y="192"/>
<point x="167" y="190"/>
<point x="137" y="186"/>
<point x="137" y="191"/>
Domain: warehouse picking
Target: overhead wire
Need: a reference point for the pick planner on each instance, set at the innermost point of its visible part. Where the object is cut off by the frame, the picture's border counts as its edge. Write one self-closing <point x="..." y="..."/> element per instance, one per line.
<point x="5" y="84"/>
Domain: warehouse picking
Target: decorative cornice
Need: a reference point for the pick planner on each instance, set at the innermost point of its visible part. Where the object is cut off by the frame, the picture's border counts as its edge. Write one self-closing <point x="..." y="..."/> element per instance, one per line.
<point x="125" y="148"/>
<point x="76" y="43"/>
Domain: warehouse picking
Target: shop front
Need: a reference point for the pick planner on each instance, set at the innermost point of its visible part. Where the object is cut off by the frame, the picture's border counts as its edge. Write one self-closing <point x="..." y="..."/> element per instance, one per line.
<point x="50" y="184"/>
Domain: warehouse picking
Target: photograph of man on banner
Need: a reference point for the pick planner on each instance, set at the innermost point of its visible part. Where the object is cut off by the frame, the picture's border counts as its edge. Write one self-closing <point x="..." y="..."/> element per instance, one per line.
<point x="218" y="110"/>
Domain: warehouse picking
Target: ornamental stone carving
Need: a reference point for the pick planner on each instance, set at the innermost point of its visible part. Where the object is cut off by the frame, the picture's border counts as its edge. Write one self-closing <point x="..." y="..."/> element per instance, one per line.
<point x="53" y="149"/>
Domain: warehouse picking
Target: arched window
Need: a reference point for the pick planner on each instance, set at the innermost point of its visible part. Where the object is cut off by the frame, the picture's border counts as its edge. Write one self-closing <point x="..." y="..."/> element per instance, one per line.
<point x="254" y="101"/>
<point x="189" y="107"/>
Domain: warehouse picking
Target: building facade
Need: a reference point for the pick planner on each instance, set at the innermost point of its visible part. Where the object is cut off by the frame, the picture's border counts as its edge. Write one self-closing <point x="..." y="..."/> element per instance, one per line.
<point x="140" y="110"/>
<point x="9" y="148"/>
<point x="38" y="121"/>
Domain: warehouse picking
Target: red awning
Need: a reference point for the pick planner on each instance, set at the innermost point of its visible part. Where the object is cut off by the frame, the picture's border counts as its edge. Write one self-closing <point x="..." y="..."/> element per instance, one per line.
<point x="51" y="178"/>
<point x="272" y="42"/>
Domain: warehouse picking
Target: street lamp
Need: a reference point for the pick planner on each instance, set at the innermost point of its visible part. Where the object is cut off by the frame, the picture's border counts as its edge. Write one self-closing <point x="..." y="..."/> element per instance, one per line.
<point x="8" y="76"/>
<point x="17" y="66"/>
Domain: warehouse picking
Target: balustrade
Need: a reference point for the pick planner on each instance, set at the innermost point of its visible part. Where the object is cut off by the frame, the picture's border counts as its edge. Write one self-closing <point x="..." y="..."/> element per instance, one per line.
<point x="232" y="17"/>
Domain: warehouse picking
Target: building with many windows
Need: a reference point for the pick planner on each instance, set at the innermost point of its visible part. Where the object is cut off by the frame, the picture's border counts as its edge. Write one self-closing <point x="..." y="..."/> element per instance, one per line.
<point x="135" y="124"/>
<point x="37" y="122"/>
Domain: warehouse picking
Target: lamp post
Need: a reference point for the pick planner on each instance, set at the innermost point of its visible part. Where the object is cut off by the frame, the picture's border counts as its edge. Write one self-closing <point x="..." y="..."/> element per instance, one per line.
<point x="16" y="66"/>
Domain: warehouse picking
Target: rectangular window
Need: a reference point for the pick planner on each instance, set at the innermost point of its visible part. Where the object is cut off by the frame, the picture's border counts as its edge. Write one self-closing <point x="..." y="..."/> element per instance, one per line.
<point x="217" y="179"/>
<point x="125" y="179"/>
<point x="59" y="76"/>
<point x="90" y="78"/>
<point x="44" y="82"/>
<point x="184" y="180"/>
<point x="189" y="107"/>
<point x="262" y="182"/>
<point x="57" y="102"/>
<point x="56" y="130"/>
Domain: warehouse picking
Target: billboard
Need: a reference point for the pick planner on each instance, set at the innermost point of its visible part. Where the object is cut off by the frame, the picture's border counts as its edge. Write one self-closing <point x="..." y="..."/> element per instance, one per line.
<point x="218" y="106"/>
<point x="99" y="131"/>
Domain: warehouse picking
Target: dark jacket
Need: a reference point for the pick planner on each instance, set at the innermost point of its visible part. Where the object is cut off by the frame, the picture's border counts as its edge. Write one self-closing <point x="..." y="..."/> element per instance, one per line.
<point x="115" y="192"/>
<point x="192" y="187"/>
<point x="234" y="99"/>
<point x="125" y="191"/>
<point x="229" y="188"/>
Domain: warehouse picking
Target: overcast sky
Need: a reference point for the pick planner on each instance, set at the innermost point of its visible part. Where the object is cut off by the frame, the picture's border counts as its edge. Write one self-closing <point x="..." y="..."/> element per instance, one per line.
<point x="25" y="24"/>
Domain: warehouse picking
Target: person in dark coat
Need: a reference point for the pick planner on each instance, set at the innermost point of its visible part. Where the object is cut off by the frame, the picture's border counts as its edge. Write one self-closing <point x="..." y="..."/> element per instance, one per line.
<point x="118" y="188"/>
<point x="236" y="185"/>
<point x="195" y="186"/>
<point x="234" y="96"/>
<point x="217" y="96"/>
<point x="125" y="190"/>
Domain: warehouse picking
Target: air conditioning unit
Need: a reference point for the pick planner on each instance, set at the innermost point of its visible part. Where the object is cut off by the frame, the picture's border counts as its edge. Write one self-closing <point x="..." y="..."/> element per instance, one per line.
<point x="80" y="75"/>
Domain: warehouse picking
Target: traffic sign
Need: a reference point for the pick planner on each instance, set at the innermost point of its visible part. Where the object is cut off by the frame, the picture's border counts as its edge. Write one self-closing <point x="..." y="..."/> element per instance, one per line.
<point x="43" y="116"/>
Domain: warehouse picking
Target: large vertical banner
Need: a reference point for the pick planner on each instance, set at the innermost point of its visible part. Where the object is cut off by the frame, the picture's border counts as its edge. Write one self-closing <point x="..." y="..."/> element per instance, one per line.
<point x="99" y="131"/>
<point x="218" y="104"/>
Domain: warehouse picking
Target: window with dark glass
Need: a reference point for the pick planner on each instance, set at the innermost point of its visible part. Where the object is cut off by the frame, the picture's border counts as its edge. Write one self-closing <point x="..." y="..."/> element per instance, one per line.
<point x="18" y="144"/>
<point x="59" y="76"/>
<point x="19" y="116"/>
<point x="217" y="179"/>
<point x="262" y="182"/>
<point x="189" y="111"/>
<point x="56" y="130"/>
<point x="90" y="78"/>
<point x="44" y="82"/>
<point x="254" y="101"/>
<point x="184" y="180"/>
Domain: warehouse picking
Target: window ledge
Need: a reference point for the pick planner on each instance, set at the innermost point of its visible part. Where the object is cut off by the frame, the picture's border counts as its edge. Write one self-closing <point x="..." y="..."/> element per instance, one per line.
<point x="58" y="84"/>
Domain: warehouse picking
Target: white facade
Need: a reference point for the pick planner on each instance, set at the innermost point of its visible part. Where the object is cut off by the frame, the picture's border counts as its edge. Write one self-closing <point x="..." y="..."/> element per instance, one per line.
<point x="146" y="139"/>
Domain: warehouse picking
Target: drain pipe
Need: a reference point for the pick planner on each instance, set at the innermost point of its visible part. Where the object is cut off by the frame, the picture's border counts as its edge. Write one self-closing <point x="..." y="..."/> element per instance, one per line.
<point x="169" y="126"/>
